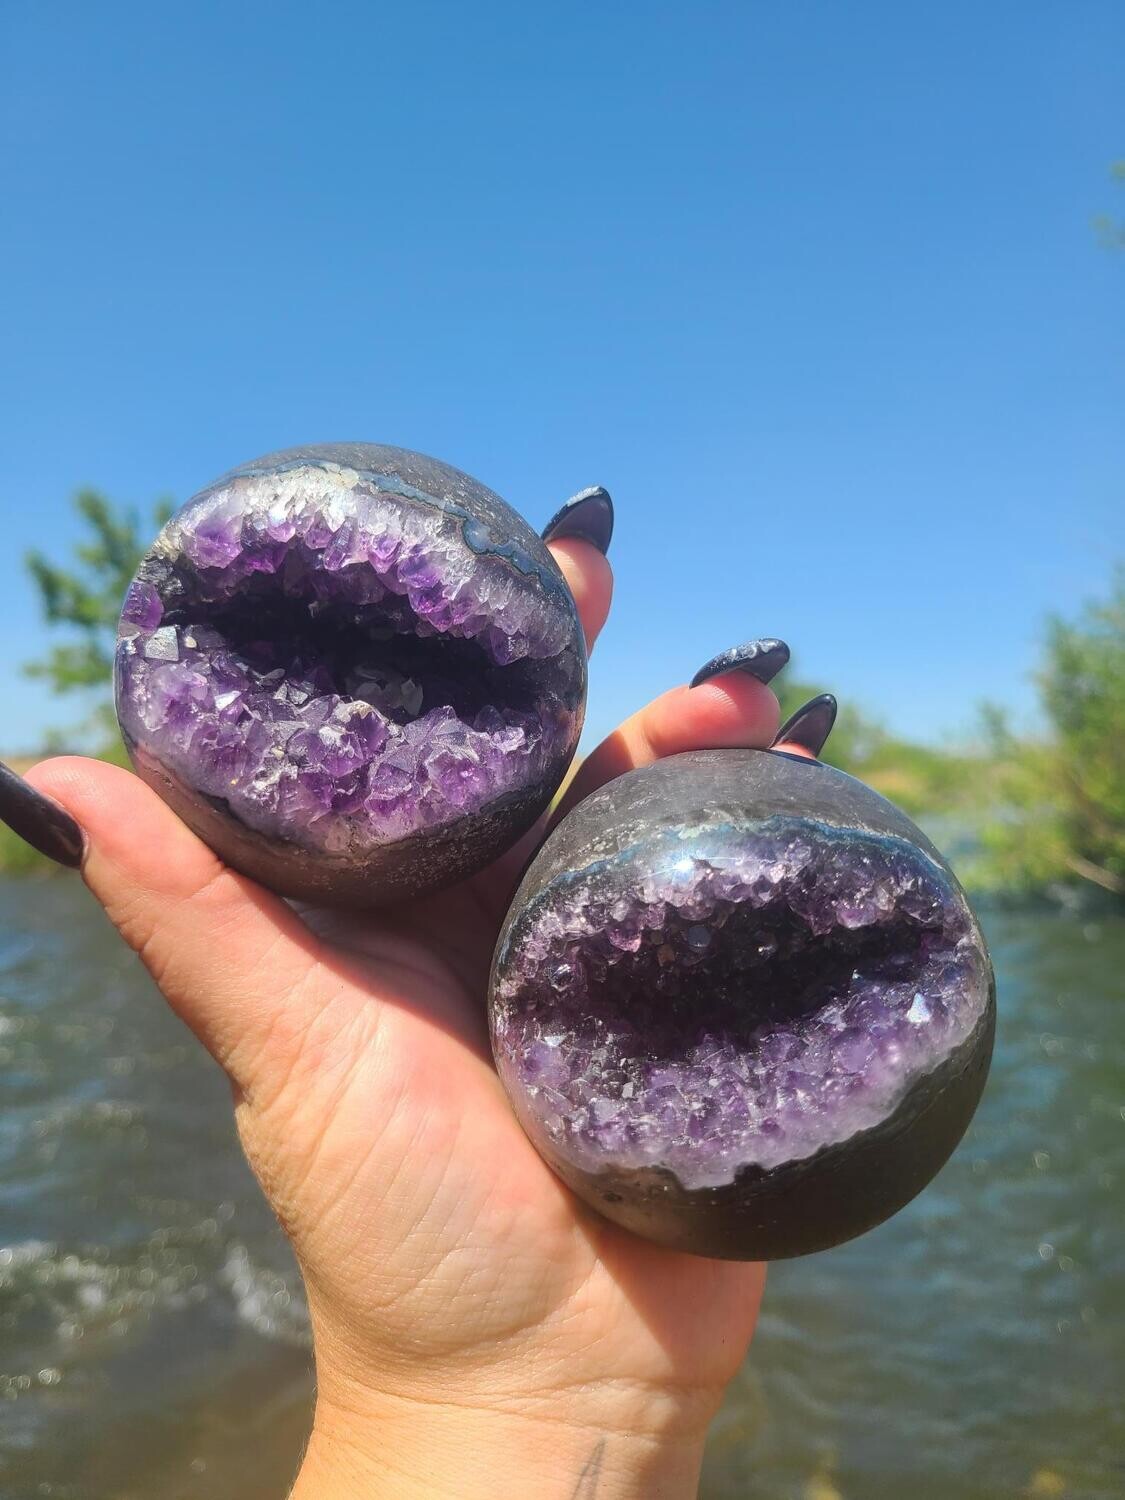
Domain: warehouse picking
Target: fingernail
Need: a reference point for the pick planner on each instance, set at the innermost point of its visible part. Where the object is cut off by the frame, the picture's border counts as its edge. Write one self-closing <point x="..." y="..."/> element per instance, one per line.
<point x="810" y="726"/>
<point x="588" y="516"/>
<point x="762" y="659"/>
<point x="38" y="821"/>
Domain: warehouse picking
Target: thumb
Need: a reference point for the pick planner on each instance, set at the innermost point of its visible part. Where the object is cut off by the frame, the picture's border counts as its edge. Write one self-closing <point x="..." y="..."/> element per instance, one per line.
<point x="234" y="962"/>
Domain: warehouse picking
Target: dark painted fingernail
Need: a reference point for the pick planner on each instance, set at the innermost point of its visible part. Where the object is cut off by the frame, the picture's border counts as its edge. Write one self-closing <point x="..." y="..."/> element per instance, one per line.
<point x="811" y="725"/>
<point x="39" y="822"/>
<point x="588" y="516"/>
<point x="762" y="659"/>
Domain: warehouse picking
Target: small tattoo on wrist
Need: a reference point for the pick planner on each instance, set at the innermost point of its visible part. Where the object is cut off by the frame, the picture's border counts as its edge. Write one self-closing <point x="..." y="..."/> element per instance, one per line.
<point x="587" y="1487"/>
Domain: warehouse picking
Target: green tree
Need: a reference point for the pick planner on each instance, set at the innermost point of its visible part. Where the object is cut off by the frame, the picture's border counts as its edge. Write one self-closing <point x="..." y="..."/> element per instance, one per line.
<point x="1110" y="229"/>
<point x="86" y="600"/>
<point x="920" y="778"/>
<point x="1062" y="796"/>
<point x="854" y="735"/>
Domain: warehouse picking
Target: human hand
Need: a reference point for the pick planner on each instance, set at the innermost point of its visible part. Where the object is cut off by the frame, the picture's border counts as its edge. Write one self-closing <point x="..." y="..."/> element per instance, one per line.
<point x="477" y="1329"/>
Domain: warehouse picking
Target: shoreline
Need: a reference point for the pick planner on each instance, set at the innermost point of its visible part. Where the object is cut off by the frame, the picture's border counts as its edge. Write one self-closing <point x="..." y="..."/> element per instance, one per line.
<point x="900" y="784"/>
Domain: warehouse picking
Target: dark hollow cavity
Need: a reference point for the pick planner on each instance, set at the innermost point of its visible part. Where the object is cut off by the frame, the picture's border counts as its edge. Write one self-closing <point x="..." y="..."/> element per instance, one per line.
<point x="736" y="975"/>
<point x="355" y="671"/>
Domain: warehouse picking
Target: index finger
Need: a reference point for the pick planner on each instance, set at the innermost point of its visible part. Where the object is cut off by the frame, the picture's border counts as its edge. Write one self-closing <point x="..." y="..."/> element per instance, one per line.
<point x="578" y="535"/>
<point x="740" y="713"/>
<point x="590" y="577"/>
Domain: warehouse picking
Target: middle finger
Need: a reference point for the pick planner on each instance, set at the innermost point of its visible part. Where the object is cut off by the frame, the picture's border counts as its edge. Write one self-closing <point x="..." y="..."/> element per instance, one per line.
<point x="728" y="704"/>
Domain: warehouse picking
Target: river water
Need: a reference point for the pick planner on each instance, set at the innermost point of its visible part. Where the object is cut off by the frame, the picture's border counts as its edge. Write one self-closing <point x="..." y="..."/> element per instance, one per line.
<point x="153" y="1336"/>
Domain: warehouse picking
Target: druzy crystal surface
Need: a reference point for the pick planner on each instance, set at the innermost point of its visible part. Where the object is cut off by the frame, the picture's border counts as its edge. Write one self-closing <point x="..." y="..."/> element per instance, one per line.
<point x="708" y="1000"/>
<point x="339" y="660"/>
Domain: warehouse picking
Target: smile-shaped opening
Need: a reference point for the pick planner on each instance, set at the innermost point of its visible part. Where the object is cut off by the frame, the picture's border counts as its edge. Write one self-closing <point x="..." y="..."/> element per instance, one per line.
<point x="746" y="1006"/>
<point x="339" y="666"/>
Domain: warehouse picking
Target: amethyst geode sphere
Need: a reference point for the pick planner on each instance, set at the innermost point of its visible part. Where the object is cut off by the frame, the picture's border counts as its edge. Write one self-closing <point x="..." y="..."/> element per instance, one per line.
<point x="741" y="1005"/>
<point x="354" y="671"/>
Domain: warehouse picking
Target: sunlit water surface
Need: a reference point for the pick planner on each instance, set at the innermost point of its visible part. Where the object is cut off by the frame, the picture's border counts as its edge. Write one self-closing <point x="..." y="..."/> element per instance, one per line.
<point x="153" y="1335"/>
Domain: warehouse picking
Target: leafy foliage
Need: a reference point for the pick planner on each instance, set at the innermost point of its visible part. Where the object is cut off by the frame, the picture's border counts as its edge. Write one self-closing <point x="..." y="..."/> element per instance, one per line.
<point x="920" y="778"/>
<point x="1111" y="230"/>
<point x="87" y="599"/>
<point x="18" y="858"/>
<point x="1062" y="797"/>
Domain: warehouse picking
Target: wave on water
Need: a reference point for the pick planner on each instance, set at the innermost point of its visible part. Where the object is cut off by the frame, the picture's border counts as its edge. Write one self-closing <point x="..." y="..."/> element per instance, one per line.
<point x="91" y="1293"/>
<point x="266" y="1299"/>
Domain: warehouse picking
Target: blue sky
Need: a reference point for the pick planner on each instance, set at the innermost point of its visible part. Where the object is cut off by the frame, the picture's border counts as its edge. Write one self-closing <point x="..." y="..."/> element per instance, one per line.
<point x="811" y="288"/>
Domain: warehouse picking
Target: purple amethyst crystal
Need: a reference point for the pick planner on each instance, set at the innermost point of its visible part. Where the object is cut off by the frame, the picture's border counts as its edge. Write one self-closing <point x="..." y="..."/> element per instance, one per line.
<point x="353" y="670"/>
<point x="741" y="1004"/>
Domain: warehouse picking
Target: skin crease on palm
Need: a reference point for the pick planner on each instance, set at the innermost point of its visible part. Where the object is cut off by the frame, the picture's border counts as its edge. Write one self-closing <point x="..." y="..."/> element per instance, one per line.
<point x="477" y="1329"/>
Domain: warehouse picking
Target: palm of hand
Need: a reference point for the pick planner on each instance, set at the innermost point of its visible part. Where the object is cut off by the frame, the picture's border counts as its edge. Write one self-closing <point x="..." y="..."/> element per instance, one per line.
<point x="445" y="1263"/>
<point x="421" y="1214"/>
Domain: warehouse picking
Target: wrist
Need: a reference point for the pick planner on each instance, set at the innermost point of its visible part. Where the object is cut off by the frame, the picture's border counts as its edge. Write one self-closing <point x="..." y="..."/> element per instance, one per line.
<point x="408" y="1449"/>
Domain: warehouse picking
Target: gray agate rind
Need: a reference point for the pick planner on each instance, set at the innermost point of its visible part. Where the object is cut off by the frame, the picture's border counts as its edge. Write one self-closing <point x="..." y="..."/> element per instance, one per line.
<point x="741" y="1005"/>
<point x="353" y="670"/>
